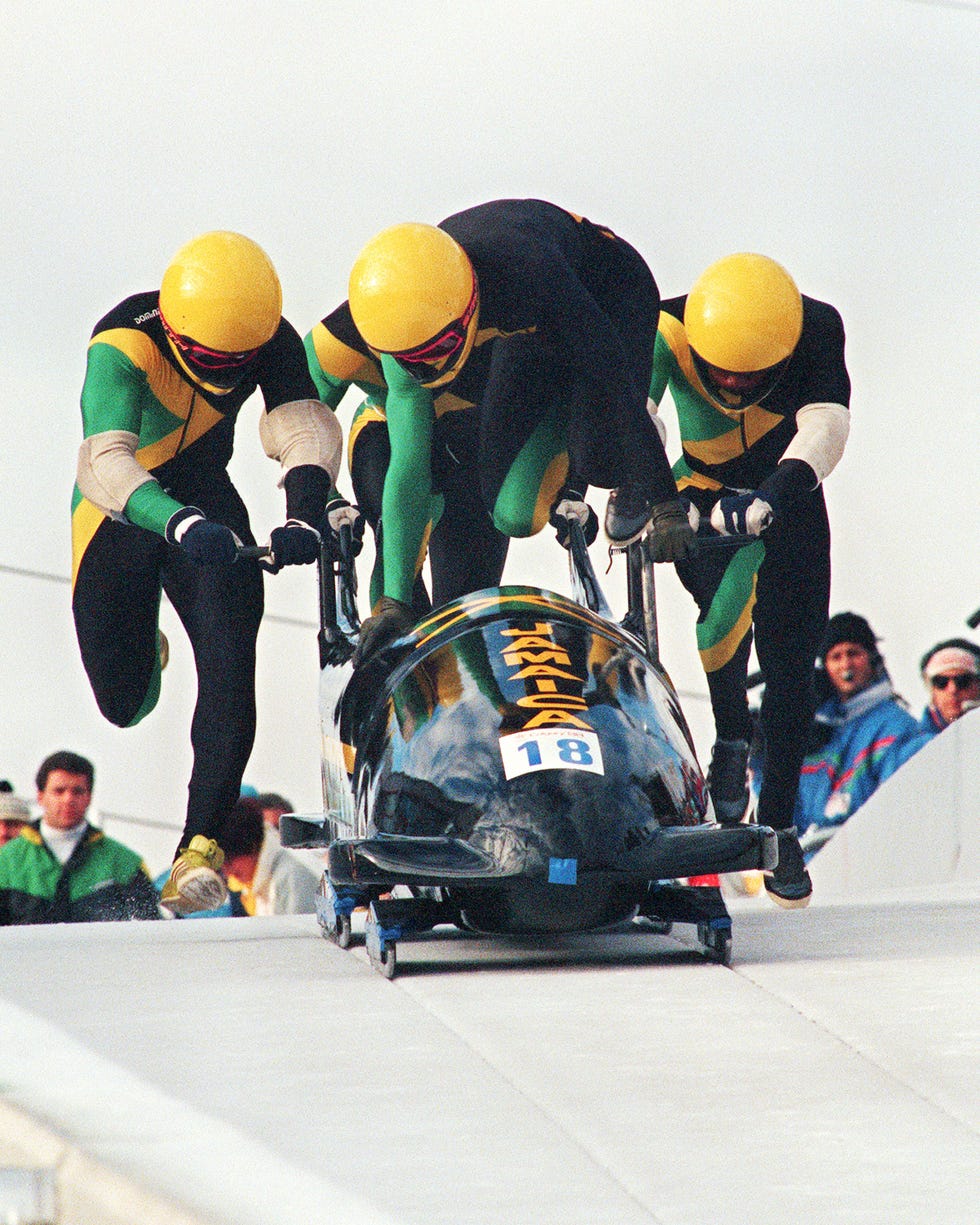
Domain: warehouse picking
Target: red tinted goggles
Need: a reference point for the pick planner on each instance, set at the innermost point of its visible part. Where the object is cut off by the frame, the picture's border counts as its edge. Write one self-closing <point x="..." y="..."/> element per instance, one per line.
<point x="204" y="358"/>
<point x="428" y="360"/>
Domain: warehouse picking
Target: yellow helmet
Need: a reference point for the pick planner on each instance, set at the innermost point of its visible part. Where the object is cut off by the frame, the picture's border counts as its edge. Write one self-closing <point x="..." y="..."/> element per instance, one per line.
<point x="743" y="320"/>
<point x="220" y="301"/>
<point x="413" y="293"/>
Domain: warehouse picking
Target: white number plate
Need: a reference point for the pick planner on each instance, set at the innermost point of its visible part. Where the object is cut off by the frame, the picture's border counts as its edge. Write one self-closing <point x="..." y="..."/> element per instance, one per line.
<point x="550" y="749"/>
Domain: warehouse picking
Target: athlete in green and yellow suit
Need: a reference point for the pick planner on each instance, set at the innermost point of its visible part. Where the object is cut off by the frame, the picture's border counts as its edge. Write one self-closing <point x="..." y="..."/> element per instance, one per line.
<point x="509" y="350"/>
<point x="154" y="508"/>
<point x="757" y="375"/>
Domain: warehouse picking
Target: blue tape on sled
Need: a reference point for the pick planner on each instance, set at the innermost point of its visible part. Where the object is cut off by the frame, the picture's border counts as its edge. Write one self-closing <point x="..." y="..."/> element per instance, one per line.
<point x="562" y="871"/>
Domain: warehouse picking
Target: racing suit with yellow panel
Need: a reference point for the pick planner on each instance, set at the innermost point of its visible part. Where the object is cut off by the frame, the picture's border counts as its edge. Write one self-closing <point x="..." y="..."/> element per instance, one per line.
<point x="552" y="394"/>
<point x="776" y="588"/>
<point x="155" y="443"/>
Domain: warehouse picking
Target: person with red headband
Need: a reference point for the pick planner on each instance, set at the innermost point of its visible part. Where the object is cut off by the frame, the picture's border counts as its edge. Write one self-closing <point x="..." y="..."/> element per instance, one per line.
<point x="154" y="509"/>
<point x="506" y="353"/>
<point x="951" y="672"/>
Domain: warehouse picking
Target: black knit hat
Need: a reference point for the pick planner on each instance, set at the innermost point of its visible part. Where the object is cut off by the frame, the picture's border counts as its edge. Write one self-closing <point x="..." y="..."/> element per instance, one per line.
<point x="849" y="627"/>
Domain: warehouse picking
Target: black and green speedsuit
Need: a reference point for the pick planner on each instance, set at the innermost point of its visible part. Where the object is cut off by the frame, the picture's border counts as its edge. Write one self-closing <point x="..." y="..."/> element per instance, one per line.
<point x="122" y="561"/>
<point x="556" y="382"/>
<point x="777" y="588"/>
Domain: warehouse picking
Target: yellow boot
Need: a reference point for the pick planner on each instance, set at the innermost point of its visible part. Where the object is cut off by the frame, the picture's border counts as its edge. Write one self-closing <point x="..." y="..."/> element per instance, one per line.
<point x="195" y="881"/>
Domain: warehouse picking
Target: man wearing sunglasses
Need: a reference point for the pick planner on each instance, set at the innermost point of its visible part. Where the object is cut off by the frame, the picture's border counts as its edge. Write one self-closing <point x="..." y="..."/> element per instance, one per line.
<point x="154" y="509"/>
<point x="757" y="375"/>
<point x="951" y="672"/>
<point x="507" y="354"/>
<point x="861" y="734"/>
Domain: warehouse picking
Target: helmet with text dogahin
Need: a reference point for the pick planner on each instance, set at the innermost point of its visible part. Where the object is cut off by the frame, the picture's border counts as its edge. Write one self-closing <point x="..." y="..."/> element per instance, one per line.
<point x="220" y="301"/>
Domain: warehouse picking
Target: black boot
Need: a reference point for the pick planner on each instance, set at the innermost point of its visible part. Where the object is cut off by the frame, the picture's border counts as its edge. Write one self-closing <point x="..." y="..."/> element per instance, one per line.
<point x="728" y="780"/>
<point x="789" y="883"/>
<point x="628" y="512"/>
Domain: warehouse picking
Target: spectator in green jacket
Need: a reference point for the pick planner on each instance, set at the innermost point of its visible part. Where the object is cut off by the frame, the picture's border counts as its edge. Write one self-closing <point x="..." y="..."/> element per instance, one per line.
<point x="61" y="869"/>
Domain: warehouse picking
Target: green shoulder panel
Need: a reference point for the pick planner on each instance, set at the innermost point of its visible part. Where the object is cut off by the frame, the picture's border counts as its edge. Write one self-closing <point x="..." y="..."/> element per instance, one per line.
<point x="130" y="386"/>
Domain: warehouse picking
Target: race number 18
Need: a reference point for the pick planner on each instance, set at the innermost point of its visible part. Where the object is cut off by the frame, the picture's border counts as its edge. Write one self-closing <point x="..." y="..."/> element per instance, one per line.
<point x="550" y="749"/>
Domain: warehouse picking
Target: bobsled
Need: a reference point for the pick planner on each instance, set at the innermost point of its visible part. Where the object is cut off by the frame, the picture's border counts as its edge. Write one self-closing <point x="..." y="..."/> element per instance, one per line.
<point x="518" y="764"/>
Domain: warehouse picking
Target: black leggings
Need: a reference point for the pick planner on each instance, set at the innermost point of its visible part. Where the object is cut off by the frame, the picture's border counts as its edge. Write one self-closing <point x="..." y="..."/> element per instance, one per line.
<point x="609" y="435"/>
<point x="788" y="618"/>
<point x="116" y="603"/>
<point x="466" y="552"/>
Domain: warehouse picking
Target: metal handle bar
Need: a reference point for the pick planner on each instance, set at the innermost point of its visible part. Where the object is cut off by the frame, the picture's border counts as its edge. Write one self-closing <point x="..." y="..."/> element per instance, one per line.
<point x="253" y="552"/>
<point x="710" y="539"/>
<point x="585" y="585"/>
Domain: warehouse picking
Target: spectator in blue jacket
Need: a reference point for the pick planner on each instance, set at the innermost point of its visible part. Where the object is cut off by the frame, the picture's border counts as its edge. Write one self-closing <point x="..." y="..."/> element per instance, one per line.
<point x="862" y="732"/>
<point x="951" y="671"/>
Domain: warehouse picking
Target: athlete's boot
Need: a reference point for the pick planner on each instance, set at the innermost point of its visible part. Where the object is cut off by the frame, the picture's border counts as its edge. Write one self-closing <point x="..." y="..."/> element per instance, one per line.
<point x="195" y="881"/>
<point x="728" y="780"/>
<point x="628" y="512"/>
<point x="789" y="883"/>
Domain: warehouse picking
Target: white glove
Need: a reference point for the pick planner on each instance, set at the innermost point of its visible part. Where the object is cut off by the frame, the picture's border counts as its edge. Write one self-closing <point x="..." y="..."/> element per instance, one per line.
<point x="342" y="514"/>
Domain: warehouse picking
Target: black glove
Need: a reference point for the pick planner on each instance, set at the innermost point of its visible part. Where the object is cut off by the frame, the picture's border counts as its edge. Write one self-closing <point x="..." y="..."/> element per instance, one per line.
<point x="671" y="537"/>
<point x="570" y="504"/>
<point x="743" y="514"/>
<point x="340" y="513"/>
<point x="389" y="620"/>
<point x="211" y="544"/>
<point x="293" y="544"/>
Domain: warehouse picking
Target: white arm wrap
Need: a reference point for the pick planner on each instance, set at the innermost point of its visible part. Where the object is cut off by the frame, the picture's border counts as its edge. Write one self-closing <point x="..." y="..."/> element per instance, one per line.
<point x="821" y="431"/>
<point x="303" y="432"/>
<point x="658" y="421"/>
<point x="108" y="470"/>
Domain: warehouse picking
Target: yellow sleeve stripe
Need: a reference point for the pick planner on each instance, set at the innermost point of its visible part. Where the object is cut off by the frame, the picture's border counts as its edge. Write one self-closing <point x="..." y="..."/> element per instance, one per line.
<point x="672" y="330"/>
<point x="341" y="362"/>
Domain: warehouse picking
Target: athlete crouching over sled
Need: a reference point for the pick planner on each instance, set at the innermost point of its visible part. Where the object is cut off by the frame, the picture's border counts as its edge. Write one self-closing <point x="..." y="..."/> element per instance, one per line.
<point x="507" y="352"/>
<point x="154" y="509"/>
<point x="757" y="374"/>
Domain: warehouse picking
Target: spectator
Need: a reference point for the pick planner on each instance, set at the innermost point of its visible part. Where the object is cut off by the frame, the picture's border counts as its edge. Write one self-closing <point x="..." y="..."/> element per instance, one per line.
<point x="951" y="671"/>
<point x="14" y="815"/>
<point x="863" y="732"/>
<point x="262" y="875"/>
<point x="273" y="806"/>
<point x="62" y="869"/>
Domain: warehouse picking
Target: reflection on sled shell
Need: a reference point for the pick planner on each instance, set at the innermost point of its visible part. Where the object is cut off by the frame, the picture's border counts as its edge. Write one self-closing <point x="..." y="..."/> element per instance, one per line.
<point x="525" y="756"/>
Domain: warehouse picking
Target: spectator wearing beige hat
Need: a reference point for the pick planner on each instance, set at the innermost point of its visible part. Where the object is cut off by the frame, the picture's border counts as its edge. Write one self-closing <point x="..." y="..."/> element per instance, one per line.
<point x="951" y="671"/>
<point x="14" y="815"/>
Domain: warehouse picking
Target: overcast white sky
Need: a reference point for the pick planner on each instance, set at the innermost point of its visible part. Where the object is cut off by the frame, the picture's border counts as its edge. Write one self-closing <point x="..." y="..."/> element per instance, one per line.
<point x="839" y="136"/>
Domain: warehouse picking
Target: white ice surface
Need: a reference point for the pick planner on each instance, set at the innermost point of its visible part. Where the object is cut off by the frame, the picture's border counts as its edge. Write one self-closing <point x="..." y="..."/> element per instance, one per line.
<point x="256" y="1073"/>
